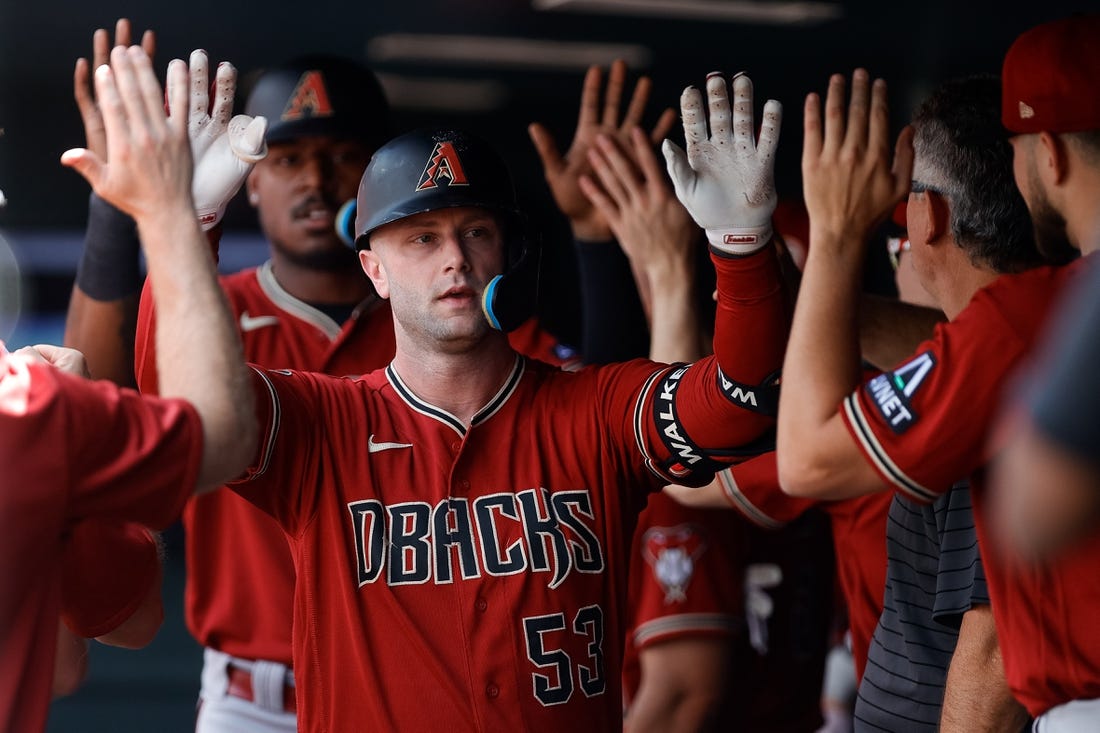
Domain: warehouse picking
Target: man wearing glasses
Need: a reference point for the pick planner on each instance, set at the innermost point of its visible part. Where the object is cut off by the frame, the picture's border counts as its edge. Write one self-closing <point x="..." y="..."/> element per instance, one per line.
<point x="922" y="426"/>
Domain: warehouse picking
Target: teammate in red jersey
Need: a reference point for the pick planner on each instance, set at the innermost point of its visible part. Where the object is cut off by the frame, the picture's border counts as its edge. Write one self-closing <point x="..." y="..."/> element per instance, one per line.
<point x="319" y="313"/>
<point x="129" y="456"/>
<point x="1052" y="655"/>
<point x="705" y="650"/>
<point x="940" y="401"/>
<point x="422" y="552"/>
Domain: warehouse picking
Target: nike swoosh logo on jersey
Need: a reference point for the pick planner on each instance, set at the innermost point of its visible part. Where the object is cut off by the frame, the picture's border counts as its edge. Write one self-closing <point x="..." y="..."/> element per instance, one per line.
<point x="376" y="447"/>
<point x="248" y="323"/>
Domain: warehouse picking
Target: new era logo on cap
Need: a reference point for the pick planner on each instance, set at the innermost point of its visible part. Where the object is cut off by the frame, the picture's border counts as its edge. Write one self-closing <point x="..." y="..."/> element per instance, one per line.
<point x="1048" y="81"/>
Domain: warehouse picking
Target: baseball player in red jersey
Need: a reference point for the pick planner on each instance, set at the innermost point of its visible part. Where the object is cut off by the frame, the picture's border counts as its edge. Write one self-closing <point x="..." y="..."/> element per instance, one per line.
<point x="751" y="605"/>
<point x="422" y="555"/>
<point x="938" y="402"/>
<point x="132" y="457"/>
<point x="859" y="532"/>
<point x="238" y="557"/>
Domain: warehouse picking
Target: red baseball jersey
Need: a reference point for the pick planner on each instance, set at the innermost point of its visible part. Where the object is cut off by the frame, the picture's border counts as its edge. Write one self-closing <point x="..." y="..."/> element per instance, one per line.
<point x="927" y="423"/>
<point x="489" y="562"/>
<point x="859" y="538"/>
<point x="71" y="450"/>
<point x="689" y="573"/>
<point x="239" y="596"/>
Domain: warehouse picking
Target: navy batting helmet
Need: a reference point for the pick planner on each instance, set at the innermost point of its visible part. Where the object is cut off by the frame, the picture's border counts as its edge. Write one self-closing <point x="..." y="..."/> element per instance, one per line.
<point x="427" y="170"/>
<point x="321" y="95"/>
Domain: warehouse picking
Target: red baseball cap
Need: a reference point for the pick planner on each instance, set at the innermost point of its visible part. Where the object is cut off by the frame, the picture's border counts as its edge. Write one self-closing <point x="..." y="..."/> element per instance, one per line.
<point x="900" y="215"/>
<point x="1050" y="78"/>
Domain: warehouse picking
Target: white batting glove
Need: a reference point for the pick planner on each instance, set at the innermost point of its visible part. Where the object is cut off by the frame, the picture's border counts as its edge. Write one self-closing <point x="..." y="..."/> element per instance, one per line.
<point x="726" y="180"/>
<point x="224" y="149"/>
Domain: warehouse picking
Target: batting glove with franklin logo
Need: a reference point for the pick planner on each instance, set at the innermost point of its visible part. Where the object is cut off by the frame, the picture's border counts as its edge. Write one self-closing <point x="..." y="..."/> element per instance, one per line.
<point x="726" y="180"/>
<point x="224" y="149"/>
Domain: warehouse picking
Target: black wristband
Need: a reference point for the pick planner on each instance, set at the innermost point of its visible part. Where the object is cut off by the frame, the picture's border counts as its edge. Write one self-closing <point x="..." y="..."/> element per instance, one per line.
<point x="109" y="268"/>
<point x="614" y="328"/>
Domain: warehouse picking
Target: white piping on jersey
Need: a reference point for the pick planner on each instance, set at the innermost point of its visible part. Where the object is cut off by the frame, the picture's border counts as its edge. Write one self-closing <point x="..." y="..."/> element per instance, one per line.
<point x="276" y="420"/>
<point x="265" y="275"/>
<point x="878" y="455"/>
<point x="681" y="622"/>
<point x="742" y="503"/>
<point x="438" y="413"/>
<point x="639" y="428"/>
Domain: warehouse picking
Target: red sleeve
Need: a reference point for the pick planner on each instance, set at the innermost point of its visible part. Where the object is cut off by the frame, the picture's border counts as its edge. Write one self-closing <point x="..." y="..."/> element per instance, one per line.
<point x="108" y="568"/>
<point x="106" y="451"/>
<point x="289" y="439"/>
<point x="922" y="425"/>
<point x="752" y="488"/>
<point x="706" y="415"/>
<point x="685" y="573"/>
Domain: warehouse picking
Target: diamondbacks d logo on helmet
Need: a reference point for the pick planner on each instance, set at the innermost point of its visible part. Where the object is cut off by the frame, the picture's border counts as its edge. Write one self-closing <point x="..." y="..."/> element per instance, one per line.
<point x="442" y="163"/>
<point x="309" y="98"/>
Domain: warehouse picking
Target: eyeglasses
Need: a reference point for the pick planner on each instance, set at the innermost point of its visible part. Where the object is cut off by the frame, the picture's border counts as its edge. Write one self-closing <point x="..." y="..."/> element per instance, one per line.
<point x="894" y="247"/>
<point x="918" y="187"/>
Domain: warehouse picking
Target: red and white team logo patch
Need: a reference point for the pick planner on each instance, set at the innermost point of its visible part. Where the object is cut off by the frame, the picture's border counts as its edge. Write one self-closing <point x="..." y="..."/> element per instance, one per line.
<point x="672" y="552"/>
<point x="443" y="163"/>
<point x="309" y="98"/>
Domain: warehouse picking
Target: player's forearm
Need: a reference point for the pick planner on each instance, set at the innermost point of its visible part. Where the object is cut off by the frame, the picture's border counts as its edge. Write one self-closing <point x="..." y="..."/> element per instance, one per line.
<point x="70" y="662"/>
<point x="682" y="686"/>
<point x="821" y="365"/>
<point x="674" y="330"/>
<point x="890" y="330"/>
<point x="976" y="696"/>
<point x="103" y="307"/>
<point x="199" y="354"/>
<point x="104" y="332"/>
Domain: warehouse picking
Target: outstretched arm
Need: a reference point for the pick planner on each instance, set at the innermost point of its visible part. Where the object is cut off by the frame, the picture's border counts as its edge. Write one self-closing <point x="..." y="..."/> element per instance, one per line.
<point x="657" y="234"/>
<point x="103" y="306"/>
<point x="148" y="174"/>
<point x="849" y="186"/>
<point x="563" y="173"/>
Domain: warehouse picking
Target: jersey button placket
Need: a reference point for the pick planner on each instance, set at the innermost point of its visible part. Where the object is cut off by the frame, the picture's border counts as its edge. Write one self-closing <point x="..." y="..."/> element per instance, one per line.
<point x="492" y="691"/>
<point x="481" y="604"/>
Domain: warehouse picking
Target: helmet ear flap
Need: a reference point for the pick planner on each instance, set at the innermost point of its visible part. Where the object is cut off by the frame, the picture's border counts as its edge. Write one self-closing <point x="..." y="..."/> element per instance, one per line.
<point x="345" y="225"/>
<point x="510" y="298"/>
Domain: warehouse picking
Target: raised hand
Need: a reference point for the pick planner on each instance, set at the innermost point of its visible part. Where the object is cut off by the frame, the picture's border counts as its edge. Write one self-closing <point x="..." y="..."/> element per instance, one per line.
<point x="657" y="234"/>
<point x="637" y="201"/>
<point x="83" y="91"/>
<point x="224" y="149"/>
<point x="67" y="360"/>
<point x="563" y="173"/>
<point x="849" y="178"/>
<point x="726" y="180"/>
<point x="147" y="172"/>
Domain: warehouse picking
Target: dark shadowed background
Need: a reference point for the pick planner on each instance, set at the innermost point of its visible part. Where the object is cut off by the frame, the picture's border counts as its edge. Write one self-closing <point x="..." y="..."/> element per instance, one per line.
<point x="491" y="65"/>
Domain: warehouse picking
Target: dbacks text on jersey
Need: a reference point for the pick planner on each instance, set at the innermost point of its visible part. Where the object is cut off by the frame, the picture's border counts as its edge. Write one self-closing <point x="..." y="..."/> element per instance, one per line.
<point x="530" y="531"/>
